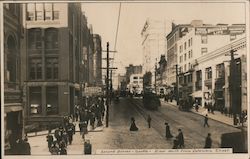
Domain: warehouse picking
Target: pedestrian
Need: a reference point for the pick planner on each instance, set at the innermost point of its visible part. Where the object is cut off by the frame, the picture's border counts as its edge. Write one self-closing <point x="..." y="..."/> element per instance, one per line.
<point x="70" y="132"/>
<point x="175" y="143"/>
<point x="206" y="121"/>
<point x="196" y="106"/>
<point x="208" y="142"/>
<point x="26" y="147"/>
<point x="133" y="127"/>
<point x="49" y="139"/>
<point x="63" y="151"/>
<point x="54" y="150"/>
<point x="87" y="147"/>
<point x="149" y="121"/>
<point x="65" y="137"/>
<point x="180" y="138"/>
<point x="168" y="133"/>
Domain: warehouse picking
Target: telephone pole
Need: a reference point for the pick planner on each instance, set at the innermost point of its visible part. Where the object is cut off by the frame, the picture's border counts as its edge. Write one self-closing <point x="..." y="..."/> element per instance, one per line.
<point x="177" y="84"/>
<point x="107" y="88"/>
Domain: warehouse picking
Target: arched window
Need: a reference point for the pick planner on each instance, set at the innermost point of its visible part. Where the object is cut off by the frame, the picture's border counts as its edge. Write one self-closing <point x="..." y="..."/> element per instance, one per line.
<point x="51" y="38"/>
<point x="11" y="59"/>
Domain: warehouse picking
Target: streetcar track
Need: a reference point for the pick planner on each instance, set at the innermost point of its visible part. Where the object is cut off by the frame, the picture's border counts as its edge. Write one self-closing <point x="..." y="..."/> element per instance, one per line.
<point x="161" y="116"/>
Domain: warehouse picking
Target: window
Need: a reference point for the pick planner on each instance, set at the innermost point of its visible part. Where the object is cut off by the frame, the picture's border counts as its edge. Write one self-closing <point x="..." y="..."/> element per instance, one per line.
<point x="189" y="42"/>
<point x="208" y="73"/>
<point x="220" y="71"/>
<point x="30" y="11"/>
<point x="180" y="48"/>
<point x="11" y="59"/>
<point x="35" y="38"/>
<point x="35" y="68"/>
<point x="56" y="15"/>
<point x="52" y="68"/>
<point x="185" y="68"/>
<point x="39" y="15"/>
<point x="204" y="39"/>
<point x="189" y="54"/>
<point x="185" y="46"/>
<point x="51" y="38"/>
<point x="52" y="100"/>
<point x="35" y="100"/>
<point x="232" y="37"/>
<point x="189" y="66"/>
<point x="203" y="50"/>
<point x="185" y="57"/>
<point x="181" y="59"/>
<point x="48" y="11"/>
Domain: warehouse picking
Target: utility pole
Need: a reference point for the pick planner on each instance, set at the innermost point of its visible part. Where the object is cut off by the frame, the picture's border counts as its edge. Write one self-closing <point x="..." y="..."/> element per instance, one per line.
<point x="177" y="84"/>
<point x="107" y="88"/>
<point x="111" y="86"/>
<point x="233" y="87"/>
<point x="155" y="75"/>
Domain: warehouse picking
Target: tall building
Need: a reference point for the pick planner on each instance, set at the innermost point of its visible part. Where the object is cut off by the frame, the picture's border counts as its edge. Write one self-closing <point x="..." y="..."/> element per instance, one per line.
<point x="153" y="43"/>
<point x="131" y="69"/>
<point x="97" y="59"/>
<point x="203" y="73"/>
<point x="52" y="60"/>
<point x="13" y="86"/>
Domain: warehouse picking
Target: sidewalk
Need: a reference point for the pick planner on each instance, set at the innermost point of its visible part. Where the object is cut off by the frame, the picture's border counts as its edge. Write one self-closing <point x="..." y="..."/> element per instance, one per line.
<point x="45" y="132"/>
<point x="216" y="116"/>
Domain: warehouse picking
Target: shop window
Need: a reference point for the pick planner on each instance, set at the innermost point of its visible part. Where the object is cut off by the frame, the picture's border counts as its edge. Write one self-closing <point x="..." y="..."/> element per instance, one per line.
<point x="35" y="100"/>
<point x="39" y="15"/>
<point x="52" y="100"/>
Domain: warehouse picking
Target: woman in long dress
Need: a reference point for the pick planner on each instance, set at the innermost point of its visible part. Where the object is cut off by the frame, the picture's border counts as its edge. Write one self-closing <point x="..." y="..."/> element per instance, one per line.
<point x="168" y="133"/>
<point x="133" y="127"/>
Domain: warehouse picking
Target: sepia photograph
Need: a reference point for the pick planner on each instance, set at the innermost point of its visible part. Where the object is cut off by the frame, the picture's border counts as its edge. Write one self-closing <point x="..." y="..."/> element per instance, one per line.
<point x="124" y="78"/>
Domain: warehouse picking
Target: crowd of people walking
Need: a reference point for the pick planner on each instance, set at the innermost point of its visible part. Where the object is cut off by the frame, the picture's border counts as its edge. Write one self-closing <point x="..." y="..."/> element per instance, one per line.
<point x="90" y="113"/>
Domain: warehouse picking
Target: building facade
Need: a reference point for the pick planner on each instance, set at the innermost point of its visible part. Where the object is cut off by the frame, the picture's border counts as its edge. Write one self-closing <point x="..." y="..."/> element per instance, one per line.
<point x="52" y="60"/>
<point x="13" y="87"/>
<point x="131" y="69"/>
<point x="97" y="59"/>
<point x="153" y="43"/>
<point x="203" y="73"/>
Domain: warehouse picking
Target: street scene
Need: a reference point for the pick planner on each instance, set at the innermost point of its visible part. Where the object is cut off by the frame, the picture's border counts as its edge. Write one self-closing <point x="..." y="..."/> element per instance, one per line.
<point x="124" y="78"/>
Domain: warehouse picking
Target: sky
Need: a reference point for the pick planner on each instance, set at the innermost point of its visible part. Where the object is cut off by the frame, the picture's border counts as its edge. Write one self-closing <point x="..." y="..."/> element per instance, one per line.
<point x="104" y="19"/>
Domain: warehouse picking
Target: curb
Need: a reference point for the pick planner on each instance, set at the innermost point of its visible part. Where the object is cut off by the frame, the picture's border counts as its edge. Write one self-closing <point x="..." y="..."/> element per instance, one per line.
<point x="238" y="127"/>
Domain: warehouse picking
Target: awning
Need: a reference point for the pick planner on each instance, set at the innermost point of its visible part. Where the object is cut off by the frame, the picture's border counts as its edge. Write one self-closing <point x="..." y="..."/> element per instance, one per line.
<point x="12" y="107"/>
<point x="197" y="94"/>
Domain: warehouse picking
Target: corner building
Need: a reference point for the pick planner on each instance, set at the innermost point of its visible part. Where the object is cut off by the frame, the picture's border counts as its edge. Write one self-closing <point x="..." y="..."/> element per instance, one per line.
<point x="52" y="60"/>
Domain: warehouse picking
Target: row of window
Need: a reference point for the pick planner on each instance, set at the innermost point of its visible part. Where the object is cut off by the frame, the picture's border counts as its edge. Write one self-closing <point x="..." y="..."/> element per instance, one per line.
<point x="37" y="37"/>
<point x="35" y="100"/>
<point x="190" y="55"/>
<point x="186" y="67"/>
<point x="36" y="70"/>
<point x="184" y="47"/>
<point x="41" y="11"/>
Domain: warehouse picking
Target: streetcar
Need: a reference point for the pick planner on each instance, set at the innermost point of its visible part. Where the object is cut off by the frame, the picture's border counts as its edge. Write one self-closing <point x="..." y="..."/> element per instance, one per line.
<point x="150" y="100"/>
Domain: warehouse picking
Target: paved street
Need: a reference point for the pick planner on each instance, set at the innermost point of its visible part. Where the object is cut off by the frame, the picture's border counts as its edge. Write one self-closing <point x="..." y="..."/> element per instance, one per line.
<point x="118" y="136"/>
<point x="190" y="123"/>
